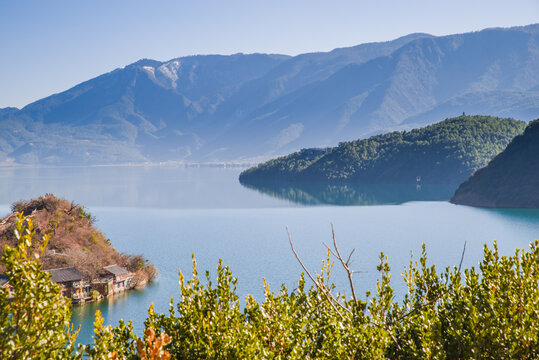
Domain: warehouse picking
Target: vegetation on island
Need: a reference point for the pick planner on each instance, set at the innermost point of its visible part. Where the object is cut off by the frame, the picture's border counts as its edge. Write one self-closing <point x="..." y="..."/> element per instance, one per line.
<point x="510" y="180"/>
<point x="489" y="312"/>
<point x="444" y="153"/>
<point x="74" y="241"/>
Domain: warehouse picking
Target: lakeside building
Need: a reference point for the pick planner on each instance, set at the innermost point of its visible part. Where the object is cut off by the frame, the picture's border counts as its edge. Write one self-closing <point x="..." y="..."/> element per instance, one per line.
<point x="74" y="285"/>
<point x="4" y="284"/>
<point x="112" y="280"/>
<point x="121" y="278"/>
<point x="104" y="285"/>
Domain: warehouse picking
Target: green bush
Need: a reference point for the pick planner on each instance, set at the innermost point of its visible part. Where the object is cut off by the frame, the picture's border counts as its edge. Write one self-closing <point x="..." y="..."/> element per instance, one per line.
<point x="491" y="312"/>
<point x="35" y="322"/>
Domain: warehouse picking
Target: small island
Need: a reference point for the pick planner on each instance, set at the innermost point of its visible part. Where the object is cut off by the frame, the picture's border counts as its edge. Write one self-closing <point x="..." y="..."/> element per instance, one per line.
<point x="78" y="255"/>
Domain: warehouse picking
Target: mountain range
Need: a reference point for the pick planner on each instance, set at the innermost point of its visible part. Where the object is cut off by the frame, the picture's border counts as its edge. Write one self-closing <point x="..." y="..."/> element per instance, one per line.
<point x="241" y="107"/>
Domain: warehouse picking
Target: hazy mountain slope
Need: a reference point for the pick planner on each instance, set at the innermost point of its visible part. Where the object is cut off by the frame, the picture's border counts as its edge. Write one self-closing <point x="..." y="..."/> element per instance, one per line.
<point x="222" y="108"/>
<point x="443" y="153"/>
<point x="510" y="180"/>
<point x="503" y="103"/>
<point x="152" y="111"/>
<point x="145" y="111"/>
<point x="304" y="69"/>
<point x="383" y="93"/>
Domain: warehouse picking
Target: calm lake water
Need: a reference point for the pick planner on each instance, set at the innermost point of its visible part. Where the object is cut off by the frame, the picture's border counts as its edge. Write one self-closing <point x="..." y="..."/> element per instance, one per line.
<point x="169" y="213"/>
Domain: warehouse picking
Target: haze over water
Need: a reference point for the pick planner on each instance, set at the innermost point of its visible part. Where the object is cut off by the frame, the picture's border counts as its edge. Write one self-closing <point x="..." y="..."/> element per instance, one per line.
<point x="169" y="213"/>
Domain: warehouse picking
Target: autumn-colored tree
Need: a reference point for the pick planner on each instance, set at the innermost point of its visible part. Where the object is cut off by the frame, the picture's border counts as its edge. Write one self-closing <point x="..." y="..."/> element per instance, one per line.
<point x="34" y="317"/>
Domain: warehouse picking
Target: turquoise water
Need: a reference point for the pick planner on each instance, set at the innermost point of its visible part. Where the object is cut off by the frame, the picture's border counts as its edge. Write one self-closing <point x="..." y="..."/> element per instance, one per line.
<point x="167" y="214"/>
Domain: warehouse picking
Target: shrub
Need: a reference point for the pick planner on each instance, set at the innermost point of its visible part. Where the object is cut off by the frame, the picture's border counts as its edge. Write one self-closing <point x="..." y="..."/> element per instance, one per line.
<point x="53" y="223"/>
<point x="491" y="312"/>
<point x="18" y="206"/>
<point x="35" y="323"/>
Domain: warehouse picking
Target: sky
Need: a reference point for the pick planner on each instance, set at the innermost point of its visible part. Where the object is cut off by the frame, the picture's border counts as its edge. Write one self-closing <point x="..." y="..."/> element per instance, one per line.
<point x="48" y="46"/>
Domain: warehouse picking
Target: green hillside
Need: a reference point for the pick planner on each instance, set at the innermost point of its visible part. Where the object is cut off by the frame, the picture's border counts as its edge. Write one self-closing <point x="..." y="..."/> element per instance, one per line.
<point x="511" y="180"/>
<point x="443" y="153"/>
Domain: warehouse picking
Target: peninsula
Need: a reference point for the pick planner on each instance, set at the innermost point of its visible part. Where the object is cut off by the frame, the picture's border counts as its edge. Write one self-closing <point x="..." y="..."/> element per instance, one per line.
<point x="444" y="153"/>
<point x="78" y="255"/>
<point x="510" y="180"/>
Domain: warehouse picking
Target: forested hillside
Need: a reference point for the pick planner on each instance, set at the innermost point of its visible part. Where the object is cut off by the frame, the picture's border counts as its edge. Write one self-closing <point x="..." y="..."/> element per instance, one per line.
<point x="510" y="180"/>
<point x="443" y="153"/>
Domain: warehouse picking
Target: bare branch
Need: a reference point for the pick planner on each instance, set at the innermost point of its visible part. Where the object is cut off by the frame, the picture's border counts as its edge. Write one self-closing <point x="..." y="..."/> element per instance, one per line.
<point x="462" y="256"/>
<point x="388" y="329"/>
<point x="320" y="286"/>
<point x="344" y="263"/>
<point x="350" y="256"/>
<point x="331" y="250"/>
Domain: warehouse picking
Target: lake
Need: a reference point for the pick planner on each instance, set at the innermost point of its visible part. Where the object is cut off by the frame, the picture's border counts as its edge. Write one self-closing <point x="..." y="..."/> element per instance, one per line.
<point x="169" y="213"/>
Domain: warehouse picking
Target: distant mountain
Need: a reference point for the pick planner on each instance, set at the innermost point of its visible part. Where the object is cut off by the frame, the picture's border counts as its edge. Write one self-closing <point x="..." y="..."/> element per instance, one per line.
<point x="504" y="103"/>
<point x="443" y="153"/>
<point x="145" y="111"/>
<point x="510" y="180"/>
<point x="243" y="107"/>
<point x="382" y="94"/>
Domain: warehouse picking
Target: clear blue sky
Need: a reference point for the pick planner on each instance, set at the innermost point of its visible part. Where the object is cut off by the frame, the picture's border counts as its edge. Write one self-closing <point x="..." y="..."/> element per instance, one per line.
<point x="47" y="46"/>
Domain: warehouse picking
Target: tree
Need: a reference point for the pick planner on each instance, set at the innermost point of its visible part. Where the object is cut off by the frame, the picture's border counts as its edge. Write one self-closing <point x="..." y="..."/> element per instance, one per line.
<point x="35" y="323"/>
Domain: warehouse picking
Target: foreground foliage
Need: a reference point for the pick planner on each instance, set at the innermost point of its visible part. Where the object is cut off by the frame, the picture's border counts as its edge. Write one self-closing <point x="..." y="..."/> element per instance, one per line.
<point x="34" y="324"/>
<point x="487" y="313"/>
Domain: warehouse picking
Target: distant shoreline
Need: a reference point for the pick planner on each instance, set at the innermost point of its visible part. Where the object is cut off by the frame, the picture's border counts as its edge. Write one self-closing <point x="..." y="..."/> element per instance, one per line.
<point x="146" y="164"/>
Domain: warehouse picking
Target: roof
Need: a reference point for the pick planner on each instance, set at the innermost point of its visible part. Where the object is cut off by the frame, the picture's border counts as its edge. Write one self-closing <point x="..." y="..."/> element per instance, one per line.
<point x="4" y="279"/>
<point x="116" y="270"/>
<point x="65" y="274"/>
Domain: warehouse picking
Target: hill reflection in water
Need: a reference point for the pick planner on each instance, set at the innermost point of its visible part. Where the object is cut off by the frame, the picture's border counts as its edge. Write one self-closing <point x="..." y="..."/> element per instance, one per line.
<point x="312" y="193"/>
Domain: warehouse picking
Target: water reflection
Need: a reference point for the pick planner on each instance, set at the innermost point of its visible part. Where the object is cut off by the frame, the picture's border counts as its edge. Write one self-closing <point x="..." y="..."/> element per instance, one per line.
<point x="312" y="193"/>
<point x="133" y="186"/>
<point x="133" y="304"/>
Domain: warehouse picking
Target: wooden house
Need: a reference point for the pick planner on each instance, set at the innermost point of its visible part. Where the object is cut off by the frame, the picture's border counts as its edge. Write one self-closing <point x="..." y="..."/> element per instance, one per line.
<point x="73" y="284"/>
<point x="104" y="285"/>
<point x="121" y="278"/>
<point x="4" y="284"/>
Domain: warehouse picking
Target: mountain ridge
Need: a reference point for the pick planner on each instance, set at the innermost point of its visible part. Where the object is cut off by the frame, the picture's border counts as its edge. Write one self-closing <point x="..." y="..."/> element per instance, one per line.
<point x="207" y="108"/>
